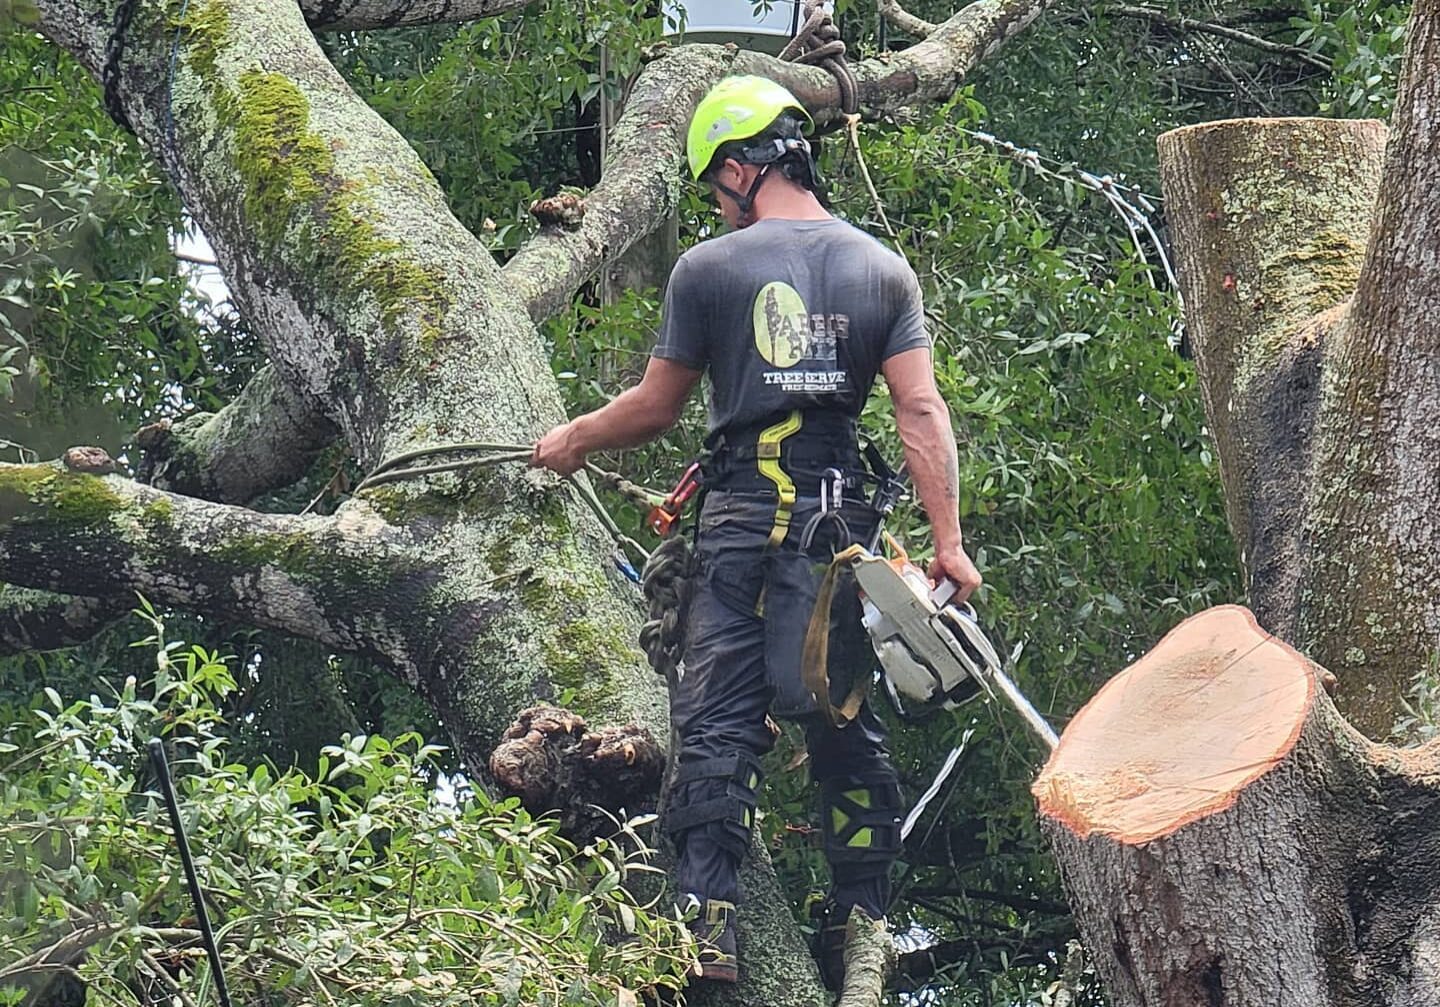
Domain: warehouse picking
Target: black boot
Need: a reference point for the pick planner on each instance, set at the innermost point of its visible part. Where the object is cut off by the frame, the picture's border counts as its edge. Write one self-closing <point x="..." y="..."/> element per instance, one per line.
<point x="712" y="921"/>
<point x="827" y="944"/>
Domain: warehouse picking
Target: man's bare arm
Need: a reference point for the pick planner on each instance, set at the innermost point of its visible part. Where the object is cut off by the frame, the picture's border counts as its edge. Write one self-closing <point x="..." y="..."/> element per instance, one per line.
<point x="924" y="422"/>
<point x="635" y="416"/>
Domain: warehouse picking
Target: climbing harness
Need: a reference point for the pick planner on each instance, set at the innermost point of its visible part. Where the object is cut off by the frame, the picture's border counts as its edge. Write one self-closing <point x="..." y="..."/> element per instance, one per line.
<point x="767" y="452"/>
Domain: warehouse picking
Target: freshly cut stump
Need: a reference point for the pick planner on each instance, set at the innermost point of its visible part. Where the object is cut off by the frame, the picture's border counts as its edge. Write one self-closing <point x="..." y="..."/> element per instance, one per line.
<point x="1226" y="838"/>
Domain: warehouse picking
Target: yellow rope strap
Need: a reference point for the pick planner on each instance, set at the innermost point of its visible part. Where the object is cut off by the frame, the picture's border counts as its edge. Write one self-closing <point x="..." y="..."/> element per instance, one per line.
<point x="815" y="658"/>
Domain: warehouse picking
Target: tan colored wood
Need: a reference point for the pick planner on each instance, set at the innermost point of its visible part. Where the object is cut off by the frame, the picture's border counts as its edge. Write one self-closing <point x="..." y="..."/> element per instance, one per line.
<point x="1178" y="734"/>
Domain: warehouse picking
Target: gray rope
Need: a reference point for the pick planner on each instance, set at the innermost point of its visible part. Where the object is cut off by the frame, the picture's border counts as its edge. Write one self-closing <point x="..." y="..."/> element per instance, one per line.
<point x="485" y="453"/>
<point x="818" y="43"/>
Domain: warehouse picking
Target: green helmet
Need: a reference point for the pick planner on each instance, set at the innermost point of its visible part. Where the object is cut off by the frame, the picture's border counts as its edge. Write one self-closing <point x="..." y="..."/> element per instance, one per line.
<point x="737" y="108"/>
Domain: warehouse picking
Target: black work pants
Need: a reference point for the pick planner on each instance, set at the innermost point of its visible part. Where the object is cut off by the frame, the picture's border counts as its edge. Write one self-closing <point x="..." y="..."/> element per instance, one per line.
<point x="745" y="633"/>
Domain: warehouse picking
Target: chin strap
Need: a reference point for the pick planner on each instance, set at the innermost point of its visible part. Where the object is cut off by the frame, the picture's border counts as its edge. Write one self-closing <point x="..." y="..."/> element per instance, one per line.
<point x="746" y="203"/>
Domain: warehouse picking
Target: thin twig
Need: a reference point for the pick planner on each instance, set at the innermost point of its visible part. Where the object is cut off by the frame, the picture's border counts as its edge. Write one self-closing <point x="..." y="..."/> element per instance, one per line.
<point x="898" y="16"/>
<point x="165" y="978"/>
<point x="1223" y="31"/>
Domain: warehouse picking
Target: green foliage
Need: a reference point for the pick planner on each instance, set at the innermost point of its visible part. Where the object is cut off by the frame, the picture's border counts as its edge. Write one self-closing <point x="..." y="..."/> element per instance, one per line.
<point x="1365" y="44"/>
<point x="97" y="327"/>
<point x="504" y="110"/>
<point x="354" y="885"/>
<point x="1090" y="495"/>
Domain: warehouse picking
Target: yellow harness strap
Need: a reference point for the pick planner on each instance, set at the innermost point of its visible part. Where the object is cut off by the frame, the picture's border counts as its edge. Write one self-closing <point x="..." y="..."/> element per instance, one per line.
<point x="815" y="657"/>
<point x="767" y="454"/>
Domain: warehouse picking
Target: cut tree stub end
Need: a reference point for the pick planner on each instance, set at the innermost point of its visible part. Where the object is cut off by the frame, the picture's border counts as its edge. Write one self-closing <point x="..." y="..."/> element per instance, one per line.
<point x="1373" y="128"/>
<point x="1181" y="732"/>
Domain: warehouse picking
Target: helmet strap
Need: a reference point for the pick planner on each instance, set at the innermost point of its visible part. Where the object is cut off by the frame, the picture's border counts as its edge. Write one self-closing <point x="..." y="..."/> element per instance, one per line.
<point x="745" y="203"/>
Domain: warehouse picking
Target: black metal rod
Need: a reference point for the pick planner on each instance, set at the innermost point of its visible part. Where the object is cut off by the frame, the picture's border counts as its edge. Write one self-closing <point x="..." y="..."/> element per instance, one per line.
<point x="167" y="788"/>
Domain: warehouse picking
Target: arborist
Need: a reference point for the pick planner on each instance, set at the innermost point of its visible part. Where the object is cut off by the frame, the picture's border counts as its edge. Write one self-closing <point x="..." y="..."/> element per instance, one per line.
<point x="791" y="314"/>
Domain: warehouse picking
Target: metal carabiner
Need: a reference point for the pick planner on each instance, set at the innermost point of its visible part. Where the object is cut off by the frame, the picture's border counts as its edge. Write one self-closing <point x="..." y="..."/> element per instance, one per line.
<point x="832" y="498"/>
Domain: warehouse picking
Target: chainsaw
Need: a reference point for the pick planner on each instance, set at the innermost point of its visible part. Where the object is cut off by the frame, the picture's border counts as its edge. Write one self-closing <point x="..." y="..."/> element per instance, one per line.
<point x="933" y="652"/>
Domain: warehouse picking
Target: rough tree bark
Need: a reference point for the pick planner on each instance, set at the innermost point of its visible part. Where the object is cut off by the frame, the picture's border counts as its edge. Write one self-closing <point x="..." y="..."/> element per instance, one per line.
<point x="1226" y="836"/>
<point x="386" y="322"/>
<point x="1312" y="309"/>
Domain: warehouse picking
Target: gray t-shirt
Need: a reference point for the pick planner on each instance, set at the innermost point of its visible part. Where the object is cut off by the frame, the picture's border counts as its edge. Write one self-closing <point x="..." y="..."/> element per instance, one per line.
<point x="789" y="314"/>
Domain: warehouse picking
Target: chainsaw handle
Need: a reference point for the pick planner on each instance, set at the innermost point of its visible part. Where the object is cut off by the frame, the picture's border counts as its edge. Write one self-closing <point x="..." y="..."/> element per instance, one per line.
<point x="941" y="594"/>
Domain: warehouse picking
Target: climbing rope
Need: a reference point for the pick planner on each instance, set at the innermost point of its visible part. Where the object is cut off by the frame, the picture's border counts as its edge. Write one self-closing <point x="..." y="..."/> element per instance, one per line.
<point x="667" y="583"/>
<point x="668" y="577"/>
<point x="114" y="52"/>
<point x="818" y="43"/>
<point x="482" y="454"/>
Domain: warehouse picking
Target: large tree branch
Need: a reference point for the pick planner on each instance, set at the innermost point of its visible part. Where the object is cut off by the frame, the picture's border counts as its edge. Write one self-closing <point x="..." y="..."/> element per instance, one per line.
<point x="1226" y="838"/>
<point x="641" y="181"/>
<point x="374" y="301"/>
<point x="1270" y="218"/>
<point x="1326" y="414"/>
<point x="79" y="533"/>
<point x="1374" y="526"/>
<point x="364" y="15"/>
<point x="263" y="440"/>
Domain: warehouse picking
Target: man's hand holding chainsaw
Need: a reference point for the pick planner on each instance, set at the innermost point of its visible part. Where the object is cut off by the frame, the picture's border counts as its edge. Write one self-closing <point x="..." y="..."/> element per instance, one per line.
<point x="924" y="422"/>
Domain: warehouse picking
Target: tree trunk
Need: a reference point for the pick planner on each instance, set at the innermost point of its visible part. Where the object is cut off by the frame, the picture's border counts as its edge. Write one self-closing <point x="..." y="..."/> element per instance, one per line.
<point x="1309" y="274"/>
<point x="1227" y="839"/>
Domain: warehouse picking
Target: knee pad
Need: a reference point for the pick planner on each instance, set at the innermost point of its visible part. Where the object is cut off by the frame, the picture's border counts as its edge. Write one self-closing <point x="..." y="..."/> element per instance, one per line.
<point x="719" y="795"/>
<point x="860" y="821"/>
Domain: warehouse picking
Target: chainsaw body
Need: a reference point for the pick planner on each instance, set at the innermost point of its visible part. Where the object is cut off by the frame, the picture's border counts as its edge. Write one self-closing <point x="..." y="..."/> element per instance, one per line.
<point x="933" y="652"/>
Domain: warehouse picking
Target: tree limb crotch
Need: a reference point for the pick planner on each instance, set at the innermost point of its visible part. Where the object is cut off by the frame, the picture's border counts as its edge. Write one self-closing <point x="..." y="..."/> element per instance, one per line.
<point x="263" y="440"/>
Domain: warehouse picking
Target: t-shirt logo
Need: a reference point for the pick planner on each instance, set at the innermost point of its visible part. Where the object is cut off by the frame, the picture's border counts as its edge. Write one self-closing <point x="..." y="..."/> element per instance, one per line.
<point x="787" y="334"/>
<point x="782" y="325"/>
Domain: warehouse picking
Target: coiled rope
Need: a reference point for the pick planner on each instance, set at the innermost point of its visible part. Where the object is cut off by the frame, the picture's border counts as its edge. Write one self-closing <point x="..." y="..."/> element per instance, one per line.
<point x="818" y="43"/>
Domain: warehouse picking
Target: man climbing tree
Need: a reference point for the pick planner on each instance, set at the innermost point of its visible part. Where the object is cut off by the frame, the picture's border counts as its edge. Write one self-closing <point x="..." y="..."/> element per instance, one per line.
<point x="792" y="314"/>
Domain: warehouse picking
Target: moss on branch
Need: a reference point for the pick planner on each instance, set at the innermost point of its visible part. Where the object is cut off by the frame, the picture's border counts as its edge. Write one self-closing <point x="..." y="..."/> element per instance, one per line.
<point x="49" y="493"/>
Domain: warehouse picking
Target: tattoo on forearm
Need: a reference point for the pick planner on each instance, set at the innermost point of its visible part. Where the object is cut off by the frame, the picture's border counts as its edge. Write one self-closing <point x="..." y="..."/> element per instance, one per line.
<point x="952" y="476"/>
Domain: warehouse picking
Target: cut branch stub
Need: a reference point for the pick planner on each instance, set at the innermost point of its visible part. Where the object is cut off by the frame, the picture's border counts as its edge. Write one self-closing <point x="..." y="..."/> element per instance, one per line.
<point x="1227" y="839"/>
<point x="1270" y="220"/>
<point x="1243" y="696"/>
